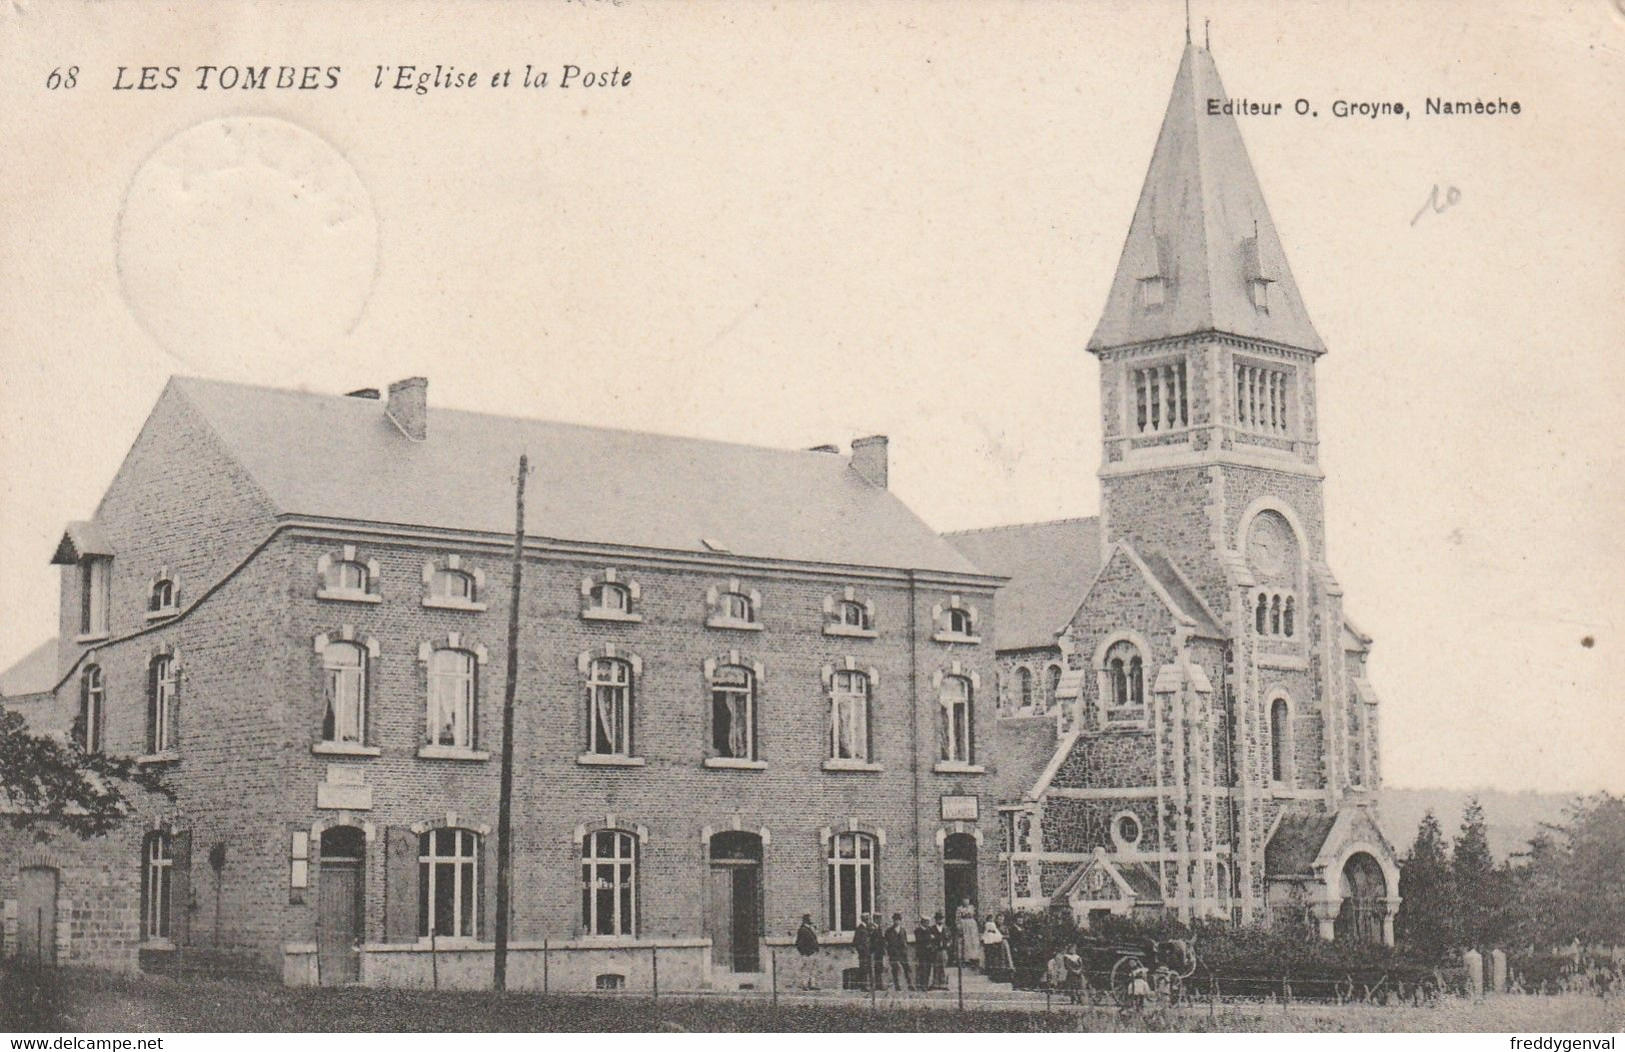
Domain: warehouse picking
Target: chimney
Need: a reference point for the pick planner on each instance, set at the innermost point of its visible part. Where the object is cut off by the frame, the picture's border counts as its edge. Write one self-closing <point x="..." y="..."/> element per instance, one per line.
<point x="408" y="407"/>
<point x="869" y="459"/>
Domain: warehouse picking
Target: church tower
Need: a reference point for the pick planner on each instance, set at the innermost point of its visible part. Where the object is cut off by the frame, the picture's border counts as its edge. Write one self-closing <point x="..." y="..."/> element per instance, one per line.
<point x="1208" y="403"/>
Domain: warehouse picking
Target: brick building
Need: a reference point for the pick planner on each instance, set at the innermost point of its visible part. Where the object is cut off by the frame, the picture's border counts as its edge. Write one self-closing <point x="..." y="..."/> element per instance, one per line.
<point x="1185" y="722"/>
<point x="751" y="686"/>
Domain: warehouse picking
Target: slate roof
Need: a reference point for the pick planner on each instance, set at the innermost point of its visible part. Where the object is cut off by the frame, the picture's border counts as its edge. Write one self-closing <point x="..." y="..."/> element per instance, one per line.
<point x="34" y="672"/>
<point x="1137" y="875"/>
<point x="1296" y="844"/>
<point x="1025" y="747"/>
<point x="1050" y="566"/>
<point x="79" y="540"/>
<point x="1178" y="589"/>
<point x="340" y="458"/>
<point x="1202" y="225"/>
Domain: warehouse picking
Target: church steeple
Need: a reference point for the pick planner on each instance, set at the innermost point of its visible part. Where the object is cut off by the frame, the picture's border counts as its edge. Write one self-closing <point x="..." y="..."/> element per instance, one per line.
<point x="1202" y="253"/>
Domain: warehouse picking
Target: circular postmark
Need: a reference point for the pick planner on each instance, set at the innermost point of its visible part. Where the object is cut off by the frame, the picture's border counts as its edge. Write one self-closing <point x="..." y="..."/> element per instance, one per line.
<point x="246" y="241"/>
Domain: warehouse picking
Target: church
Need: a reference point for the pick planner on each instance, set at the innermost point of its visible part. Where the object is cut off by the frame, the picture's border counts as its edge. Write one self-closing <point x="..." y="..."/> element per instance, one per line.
<point x="1185" y="722"/>
<point x="753" y="684"/>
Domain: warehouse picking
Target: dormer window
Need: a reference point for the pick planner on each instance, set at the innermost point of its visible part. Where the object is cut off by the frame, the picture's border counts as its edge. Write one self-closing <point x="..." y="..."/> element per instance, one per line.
<point x="95" y="578"/>
<point x="347" y="577"/>
<point x="609" y="597"/>
<point x="1153" y="290"/>
<point x="1261" y="294"/>
<point x="734" y="607"/>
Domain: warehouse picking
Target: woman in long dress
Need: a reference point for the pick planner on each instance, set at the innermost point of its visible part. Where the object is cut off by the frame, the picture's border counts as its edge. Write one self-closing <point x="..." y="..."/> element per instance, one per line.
<point x="995" y="950"/>
<point x="970" y="938"/>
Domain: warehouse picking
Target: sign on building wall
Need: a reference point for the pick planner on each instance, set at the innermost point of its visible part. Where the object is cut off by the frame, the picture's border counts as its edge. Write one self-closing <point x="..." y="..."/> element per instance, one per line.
<point x="959" y="809"/>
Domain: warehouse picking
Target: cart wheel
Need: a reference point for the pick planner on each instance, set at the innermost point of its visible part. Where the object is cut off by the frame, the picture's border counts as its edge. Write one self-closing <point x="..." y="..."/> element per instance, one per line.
<point x="1122" y="975"/>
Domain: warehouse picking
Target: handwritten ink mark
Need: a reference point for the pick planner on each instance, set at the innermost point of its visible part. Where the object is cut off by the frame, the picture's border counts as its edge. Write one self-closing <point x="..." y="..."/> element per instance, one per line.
<point x="1452" y="197"/>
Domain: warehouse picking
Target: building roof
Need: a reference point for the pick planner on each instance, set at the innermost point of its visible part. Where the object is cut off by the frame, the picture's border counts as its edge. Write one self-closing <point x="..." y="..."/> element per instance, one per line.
<point x="1296" y="844"/>
<point x="1050" y="566"/>
<point x="1179" y="590"/>
<point x="341" y="458"/>
<point x="79" y="540"/>
<point x="1202" y="226"/>
<point x="1026" y="745"/>
<point x="34" y="672"/>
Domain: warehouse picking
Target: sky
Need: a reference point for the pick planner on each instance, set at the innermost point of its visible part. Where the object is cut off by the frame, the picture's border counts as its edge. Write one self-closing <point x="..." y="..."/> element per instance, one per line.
<point x="801" y="223"/>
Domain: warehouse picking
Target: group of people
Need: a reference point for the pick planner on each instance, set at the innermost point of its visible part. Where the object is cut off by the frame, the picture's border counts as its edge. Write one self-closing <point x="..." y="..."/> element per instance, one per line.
<point x="937" y="945"/>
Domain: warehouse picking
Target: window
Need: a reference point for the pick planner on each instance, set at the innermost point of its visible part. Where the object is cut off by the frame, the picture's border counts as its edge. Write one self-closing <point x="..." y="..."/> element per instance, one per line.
<point x="94" y="577"/>
<point x="611" y="598"/>
<point x="452" y="586"/>
<point x="609" y="873"/>
<point x="1152" y="292"/>
<point x="1024" y="688"/>
<point x="733" y="716"/>
<point x="162" y="598"/>
<point x="851" y="614"/>
<point x="1052" y="686"/>
<point x="344" y="682"/>
<point x="348" y="576"/>
<point x="955" y="719"/>
<point x="448" y="883"/>
<point x="1161" y="398"/>
<point x="1126" y="831"/>
<point x="163" y="686"/>
<point x="1125" y="676"/>
<point x="849" y="715"/>
<point x="1275" y="614"/>
<point x="451" y="698"/>
<point x="1262" y="398"/>
<point x="158" y="863"/>
<point x="92" y="709"/>
<point x="959" y="622"/>
<point x="609" y="703"/>
<point x="737" y="607"/>
<point x="1280" y="740"/>
<point x="734" y="607"/>
<point x="851" y="879"/>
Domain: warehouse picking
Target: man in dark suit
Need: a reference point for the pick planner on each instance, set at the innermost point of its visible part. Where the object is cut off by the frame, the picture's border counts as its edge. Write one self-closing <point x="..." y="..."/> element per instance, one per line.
<point x="924" y="949"/>
<point x="861" y="939"/>
<point x="897" y="950"/>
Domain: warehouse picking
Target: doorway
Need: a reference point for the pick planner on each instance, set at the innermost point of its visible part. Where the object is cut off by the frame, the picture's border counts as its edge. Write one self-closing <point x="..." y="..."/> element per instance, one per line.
<point x="338" y="924"/>
<point x="958" y="873"/>
<point x="1365" y="891"/>
<point x="36" y="915"/>
<point x="735" y="900"/>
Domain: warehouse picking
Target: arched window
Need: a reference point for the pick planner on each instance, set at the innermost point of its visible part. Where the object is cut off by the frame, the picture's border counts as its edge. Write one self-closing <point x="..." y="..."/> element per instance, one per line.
<point x="157" y="865"/>
<point x="451" y="698"/>
<point x="453" y="586"/>
<point x="448" y="883"/>
<point x="851" y="614"/>
<point x="733" y="713"/>
<point x="1275" y="615"/>
<point x="1280" y="740"/>
<point x="162" y="597"/>
<point x="955" y="728"/>
<point x="609" y="872"/>
<point x="348" y="575"/>
<point x="92" y="709"/>
<point x="1287" y="618"/>
<point x="1125" y="676"/>
<point x="849" y="716"/>
<point x="1262" y="614"/>
<point x="1052" y="686"/>
<point x="163" y="688"/>
<point x="1024" y="688"/>
<point x="609" y="703"/>
<point x="344" y="680"/>
<point x="852" y="858"/>
<point x="958" y="622"/>
<point x="610" y="598"/>
<point x="736" y="606"/>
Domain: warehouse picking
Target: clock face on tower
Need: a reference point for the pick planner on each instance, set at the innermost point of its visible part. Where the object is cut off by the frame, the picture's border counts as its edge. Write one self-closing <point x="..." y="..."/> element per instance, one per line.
<point x="1270" y="545"/>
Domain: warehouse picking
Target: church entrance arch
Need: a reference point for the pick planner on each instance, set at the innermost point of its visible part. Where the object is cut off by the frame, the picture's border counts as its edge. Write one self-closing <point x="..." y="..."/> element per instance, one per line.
<point x="1365" y="894"/>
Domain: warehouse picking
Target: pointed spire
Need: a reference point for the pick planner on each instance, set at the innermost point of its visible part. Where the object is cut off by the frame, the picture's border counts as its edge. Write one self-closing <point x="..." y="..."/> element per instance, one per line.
<point x="1202" y="252"/>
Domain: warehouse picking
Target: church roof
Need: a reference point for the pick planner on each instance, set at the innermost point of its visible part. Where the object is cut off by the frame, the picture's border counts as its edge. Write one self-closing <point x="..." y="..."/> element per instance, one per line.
<point x="341" y="458"/>
<point x="34" y="672"/>
<point x="1296" y="844"/>
<point x="1202" y="228"/>
<point x="1050" y="566"/>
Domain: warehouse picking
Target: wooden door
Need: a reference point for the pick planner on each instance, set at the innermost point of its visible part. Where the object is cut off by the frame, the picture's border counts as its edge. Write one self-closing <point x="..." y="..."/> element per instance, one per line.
<point x="747" y="953"/>
<point x="722" y="916"/>
<point x="339" y="930"/>
<point x="36" y="915"/>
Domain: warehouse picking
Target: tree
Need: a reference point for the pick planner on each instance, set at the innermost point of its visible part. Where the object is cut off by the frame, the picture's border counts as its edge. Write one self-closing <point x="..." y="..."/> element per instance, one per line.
<point x="1427" y="913"/>
<point x="47" y="782"/>
<point x="1482" y="890"/>
<point x="1592" y="897"/>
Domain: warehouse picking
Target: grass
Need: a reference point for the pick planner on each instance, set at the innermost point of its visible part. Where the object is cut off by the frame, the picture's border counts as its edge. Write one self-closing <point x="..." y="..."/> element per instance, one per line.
<point x="86" y="1001"/>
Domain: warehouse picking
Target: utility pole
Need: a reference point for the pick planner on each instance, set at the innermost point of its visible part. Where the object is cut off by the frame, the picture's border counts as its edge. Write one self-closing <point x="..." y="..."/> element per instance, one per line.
<point x="499" y="964"/>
